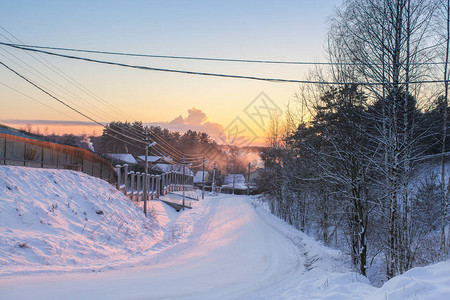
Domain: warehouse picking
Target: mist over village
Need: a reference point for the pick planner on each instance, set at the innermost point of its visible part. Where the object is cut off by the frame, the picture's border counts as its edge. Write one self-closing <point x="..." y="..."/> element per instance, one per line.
<point x="224" y="150"/>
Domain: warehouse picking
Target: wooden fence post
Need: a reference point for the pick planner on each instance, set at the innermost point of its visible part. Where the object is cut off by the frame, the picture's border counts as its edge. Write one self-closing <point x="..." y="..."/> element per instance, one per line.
<point x="119" y="175"/>
<point x="42" y="157"/>
<point x="4" y="152"/>
<point x="158" y="186"/>
<point x="132" y="180"/>
<point x="125" y="180"/>
<point x="161" y="192"/>
<point x="164" y="184"/>
<point x="152" y="185"/>
<point x="138" y="185"/>
<point x="146" y="183"/>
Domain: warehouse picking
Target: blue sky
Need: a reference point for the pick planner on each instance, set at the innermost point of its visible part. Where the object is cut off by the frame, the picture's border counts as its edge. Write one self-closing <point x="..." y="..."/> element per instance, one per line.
<point x="277" y="30"/>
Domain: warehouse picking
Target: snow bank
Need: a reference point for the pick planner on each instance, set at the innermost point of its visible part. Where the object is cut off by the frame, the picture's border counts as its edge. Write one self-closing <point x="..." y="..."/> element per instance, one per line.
<point x="431" y="282"/>
<point x="61" y="220"/>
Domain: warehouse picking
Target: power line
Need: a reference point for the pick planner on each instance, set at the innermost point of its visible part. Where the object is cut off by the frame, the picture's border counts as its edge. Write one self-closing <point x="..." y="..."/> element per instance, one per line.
<point x="134" y="138"/>
<point x="217" y="74"/>
<point x="205" y="58"/>
<point x="66" y="77"/>
<point x="167" y="148"/>
<point x="34" y="99"/>
<point x="48" y="80"/>
<point x="161" y="143"/>
<point x="65" y="104"/>
<point x="160" y="140"/>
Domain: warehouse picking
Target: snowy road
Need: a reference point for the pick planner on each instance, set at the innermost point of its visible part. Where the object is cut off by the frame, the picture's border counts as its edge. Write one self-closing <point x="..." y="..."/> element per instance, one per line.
<point x="223" y="249"/>
<point x="55" y="245"/>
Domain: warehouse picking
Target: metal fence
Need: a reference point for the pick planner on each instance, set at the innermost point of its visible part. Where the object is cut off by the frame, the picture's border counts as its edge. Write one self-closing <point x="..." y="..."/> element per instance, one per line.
<point x="131" y="184"/>
<point x="22" y="151"/>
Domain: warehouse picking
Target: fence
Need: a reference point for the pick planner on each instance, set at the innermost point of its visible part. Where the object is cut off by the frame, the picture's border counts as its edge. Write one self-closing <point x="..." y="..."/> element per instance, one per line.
<point x="131" y="184"/>
<point x="23" y="151"/>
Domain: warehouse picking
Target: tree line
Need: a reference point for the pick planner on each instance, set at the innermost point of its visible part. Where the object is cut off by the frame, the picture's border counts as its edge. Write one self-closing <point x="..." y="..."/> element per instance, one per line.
<point x="348" y="162"/>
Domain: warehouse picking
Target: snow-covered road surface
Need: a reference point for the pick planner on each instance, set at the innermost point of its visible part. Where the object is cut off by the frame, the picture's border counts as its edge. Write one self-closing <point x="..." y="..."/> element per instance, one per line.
<point x="222" y="249"/>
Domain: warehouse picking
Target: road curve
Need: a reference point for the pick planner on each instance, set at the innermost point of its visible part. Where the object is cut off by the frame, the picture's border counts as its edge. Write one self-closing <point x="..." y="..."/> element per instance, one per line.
<point x="223" y="248"/>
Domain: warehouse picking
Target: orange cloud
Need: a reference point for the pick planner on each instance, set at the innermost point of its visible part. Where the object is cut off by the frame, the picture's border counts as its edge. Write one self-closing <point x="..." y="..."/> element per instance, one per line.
<point x="196" y="120"/>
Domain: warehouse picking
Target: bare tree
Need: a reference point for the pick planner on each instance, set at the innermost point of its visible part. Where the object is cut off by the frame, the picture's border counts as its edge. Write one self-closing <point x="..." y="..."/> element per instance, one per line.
<point x="444" y="188"/>
<point x="389" y="43"/>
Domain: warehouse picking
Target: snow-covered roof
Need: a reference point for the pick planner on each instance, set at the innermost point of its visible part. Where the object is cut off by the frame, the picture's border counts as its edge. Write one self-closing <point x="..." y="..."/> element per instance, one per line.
<point x="199" y="177"/>
<point x="125" y="157"/>
<point x="169" y="167"/>
<point x="151" y="158"/>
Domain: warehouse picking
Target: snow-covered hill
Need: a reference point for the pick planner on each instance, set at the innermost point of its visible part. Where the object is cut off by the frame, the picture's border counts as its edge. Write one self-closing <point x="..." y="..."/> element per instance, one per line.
<point x="60" y="220"/>
<point x="57" y="227"/>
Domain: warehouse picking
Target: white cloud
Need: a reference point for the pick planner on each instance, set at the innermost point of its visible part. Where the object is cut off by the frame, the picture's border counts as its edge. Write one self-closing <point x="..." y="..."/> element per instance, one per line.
<point x="196" y="120"/>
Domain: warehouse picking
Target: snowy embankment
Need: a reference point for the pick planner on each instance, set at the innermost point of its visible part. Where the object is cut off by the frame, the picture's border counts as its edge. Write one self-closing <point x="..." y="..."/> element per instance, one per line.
<point x="226" y="247"/>
<point x="59" y="220"/>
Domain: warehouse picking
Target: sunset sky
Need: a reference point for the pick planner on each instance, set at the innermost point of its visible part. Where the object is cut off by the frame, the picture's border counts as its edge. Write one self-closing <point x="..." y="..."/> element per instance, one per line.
<point x="266" y="30"/>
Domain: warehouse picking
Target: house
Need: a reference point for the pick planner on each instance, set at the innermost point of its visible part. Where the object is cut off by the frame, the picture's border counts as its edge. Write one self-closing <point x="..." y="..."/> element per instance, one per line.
<point x="151" y="159"/>
<point x="164" y="168"/>
<point x="198" y="178"/>
<point x="121" y="158"/>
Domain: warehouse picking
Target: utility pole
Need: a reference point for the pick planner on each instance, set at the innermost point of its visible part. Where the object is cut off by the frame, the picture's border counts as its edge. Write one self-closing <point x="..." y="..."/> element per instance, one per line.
<point x="234" y="175"/>
<point x="214" y="180"/>
<point x="203" y="178"/>
<point x="146" y="171"/>
<point x="147" y="145"/>
<point x="184" y="177"/>
<point x="248" y="180"/>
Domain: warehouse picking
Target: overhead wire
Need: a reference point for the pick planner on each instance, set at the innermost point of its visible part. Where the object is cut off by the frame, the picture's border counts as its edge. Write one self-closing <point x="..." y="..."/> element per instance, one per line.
<point x="65" y="76"/>
<point x="40" y="102"/>
<point x="179" y="152"/>
<point x="206" y="58"/>
<point x="198" y="73"/>
<point x="65" y="104"/>
<point x="134" y="133"/>
<point x="174" y="150"/>
<point x="163" y="148"/>
<point x="159" y="139"/>
<point x="280" y="80"/>
<point x="46" y="79"/>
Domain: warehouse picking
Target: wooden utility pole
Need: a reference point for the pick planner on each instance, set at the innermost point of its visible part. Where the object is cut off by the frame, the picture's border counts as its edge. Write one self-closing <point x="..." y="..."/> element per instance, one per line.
<point x="203" y="178"/>
<point x="214" y="179"/>
<point x="146" y="171"/>
<point x="248" y="180"/>
<point x="184" y="177"/>
<point x="147" y="145"/>
<point x="234" y="175"/>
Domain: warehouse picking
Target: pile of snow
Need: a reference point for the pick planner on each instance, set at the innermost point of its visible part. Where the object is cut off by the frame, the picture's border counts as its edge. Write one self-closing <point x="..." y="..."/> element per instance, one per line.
<point x="59" y="220"/>
<point x="431" y="282"/>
